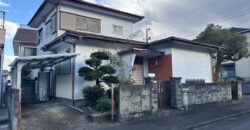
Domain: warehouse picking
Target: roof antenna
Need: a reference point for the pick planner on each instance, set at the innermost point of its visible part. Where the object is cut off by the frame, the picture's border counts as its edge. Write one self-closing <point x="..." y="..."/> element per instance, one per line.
<point x="147" y="35"/>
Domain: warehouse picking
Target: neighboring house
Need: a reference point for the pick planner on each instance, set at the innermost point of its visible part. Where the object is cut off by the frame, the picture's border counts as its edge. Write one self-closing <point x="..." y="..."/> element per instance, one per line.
<point x="6" y="78"/>
<point x="239" y="68"/>
<point x="25" y="42"/>
<point x="75" y="26"/>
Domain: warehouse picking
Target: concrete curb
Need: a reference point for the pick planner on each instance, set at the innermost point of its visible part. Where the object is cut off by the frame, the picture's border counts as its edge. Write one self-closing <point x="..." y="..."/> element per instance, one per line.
<point x="214" y="120"/>
<point x="75" y="108"/>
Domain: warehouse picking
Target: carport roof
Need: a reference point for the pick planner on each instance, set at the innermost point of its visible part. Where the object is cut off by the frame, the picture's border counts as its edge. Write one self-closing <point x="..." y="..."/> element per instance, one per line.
<point x="33" y="62"/>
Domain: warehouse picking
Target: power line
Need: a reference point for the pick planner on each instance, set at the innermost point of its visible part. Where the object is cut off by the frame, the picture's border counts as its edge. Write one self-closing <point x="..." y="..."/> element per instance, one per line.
<point x="224" y="18"/>
<point x="167" y="19"/>
<point x="212" y="4"/>
<point x="243" y="13"/>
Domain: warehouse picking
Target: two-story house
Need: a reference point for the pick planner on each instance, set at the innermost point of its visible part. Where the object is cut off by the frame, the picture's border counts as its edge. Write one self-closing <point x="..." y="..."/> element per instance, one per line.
<point x="25" y="42"/>
<point x="79" y="27"/>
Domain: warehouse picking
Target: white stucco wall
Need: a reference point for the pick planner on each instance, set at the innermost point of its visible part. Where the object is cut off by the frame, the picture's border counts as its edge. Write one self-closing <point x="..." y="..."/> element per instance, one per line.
<point x="85" y="48"/>
<point x="107" y="21"/>
<point x="128" y="63"/>
<point x="242" y="67"/>
<point x="190" y="64"/>
<point x="45" y="39"/>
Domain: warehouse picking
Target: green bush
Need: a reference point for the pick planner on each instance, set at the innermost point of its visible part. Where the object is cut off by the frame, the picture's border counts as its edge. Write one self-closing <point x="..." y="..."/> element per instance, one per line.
<point x="116" y="95"/>
<point x="110" y="79"/>
<point x="103" y="105"/>
<point x="101" y="55"/>
<point x="92" y="94"/>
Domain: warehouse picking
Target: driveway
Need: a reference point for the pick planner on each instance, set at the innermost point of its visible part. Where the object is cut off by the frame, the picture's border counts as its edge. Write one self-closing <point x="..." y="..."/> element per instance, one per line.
<point x="54" y="116"/>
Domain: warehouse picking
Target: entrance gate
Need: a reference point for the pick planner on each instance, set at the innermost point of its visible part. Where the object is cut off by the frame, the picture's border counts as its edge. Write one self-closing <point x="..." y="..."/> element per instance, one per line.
<point x="163" y="94"/>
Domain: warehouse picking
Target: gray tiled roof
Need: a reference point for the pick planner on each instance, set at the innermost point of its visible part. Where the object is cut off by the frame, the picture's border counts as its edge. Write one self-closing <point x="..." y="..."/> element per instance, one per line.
<point x="239" y="30"/>
<point x="26" y="35"/>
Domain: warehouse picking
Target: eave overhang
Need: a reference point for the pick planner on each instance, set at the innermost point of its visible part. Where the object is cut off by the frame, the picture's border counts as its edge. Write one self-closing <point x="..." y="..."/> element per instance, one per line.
<point x="185" y="42"/>
<point x="142" y="52"/>
<point x="81" y="36"/>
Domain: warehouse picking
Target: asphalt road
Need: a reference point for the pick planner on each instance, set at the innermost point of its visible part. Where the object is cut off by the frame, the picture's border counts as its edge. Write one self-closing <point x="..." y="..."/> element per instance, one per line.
<point x="235" y="123"/>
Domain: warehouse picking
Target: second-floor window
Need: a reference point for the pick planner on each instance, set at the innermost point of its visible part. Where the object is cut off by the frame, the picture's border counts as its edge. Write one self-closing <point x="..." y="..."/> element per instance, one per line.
<point x="29" y="51"/>
<point x="88" y="24"/>
<point x="117" y="29"/>
<point x="40" y="36"/>
<point x="75" y="22"/>
<point x="50" y="26"/>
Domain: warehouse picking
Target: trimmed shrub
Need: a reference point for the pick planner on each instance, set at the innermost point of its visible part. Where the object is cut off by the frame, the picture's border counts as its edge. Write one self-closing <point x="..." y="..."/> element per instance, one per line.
<point x="92" y="94"/>
<point x="103" y="104"/>
<point x="98" y="72"/>
<point x="101" y="55"/>
<point x="110" y="79"/>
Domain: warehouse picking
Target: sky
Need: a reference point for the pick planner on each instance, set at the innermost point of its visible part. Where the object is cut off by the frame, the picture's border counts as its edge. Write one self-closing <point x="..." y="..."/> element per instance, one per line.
<point x="180" y="18"/>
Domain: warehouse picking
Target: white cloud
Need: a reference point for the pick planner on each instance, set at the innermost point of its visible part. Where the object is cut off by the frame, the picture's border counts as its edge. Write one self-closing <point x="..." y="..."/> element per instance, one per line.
<point x="185" y="18"/>
<point x="91" y="1"/>
<point x="4" y="4"/>
<point x="7" y="61"/>
<point x="11" y="29"/>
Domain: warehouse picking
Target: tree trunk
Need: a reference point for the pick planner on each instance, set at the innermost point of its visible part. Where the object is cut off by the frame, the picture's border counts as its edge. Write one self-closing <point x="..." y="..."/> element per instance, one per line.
<point x="217" y="69"/>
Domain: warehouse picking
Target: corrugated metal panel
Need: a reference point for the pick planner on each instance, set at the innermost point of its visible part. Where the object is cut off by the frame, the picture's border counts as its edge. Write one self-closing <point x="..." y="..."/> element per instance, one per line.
<point x="43" y="86"/>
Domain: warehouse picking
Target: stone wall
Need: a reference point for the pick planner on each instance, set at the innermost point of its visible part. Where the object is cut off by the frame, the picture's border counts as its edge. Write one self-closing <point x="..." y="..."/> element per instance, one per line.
<point x="138" y="102"/>
<point x="186" y="95"/>
<point x="13" y="103"/>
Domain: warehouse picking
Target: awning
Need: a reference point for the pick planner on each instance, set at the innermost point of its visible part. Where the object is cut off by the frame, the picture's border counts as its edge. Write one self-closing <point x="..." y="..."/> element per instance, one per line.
<point x="142" y="52"/>
<point x="33" y="62"/>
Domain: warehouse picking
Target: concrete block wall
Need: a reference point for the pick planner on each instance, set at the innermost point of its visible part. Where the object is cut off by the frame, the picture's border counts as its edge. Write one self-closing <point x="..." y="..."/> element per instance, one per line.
<point x="199" y="93"/>
<point x="13" y="97"/>
<point x="176" y="95"/>
<point x="137" y="102"/>
<point x="208" y="93"/>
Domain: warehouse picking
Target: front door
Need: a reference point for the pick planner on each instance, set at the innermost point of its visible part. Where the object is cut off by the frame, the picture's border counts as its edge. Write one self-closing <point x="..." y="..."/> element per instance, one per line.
<point x="138" y="73"/>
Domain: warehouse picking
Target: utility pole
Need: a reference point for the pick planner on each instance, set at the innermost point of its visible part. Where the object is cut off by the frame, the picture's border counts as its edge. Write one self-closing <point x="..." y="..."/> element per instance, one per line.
<point x="147" y="35"/>
<point x="2" y="41"/>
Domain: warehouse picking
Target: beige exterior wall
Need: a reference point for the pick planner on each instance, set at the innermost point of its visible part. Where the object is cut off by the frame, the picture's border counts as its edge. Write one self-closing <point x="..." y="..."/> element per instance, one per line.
<point x="22" y="46"/>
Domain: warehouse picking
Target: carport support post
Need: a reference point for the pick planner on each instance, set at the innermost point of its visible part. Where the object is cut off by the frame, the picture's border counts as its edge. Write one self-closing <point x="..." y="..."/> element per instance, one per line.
<point x="19" y="74"/>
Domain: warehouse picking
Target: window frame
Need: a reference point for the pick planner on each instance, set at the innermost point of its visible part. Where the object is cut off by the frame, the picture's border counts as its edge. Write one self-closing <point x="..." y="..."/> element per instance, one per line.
<point x="115" y="31"/>
<point x="40" y="35"/>
<point x="53" y="21"/>
<point x="34" y="52"/>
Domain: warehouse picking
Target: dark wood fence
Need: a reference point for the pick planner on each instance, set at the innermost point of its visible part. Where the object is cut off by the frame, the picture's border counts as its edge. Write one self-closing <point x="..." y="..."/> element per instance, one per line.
<point x="236" y="90"/>
<point x="163" y="94"/>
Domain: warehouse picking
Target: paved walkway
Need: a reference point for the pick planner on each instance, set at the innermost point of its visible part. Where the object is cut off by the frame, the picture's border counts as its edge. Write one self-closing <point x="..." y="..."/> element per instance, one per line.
<point x="53" y="116"/>
<point x="186" y="120"/>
